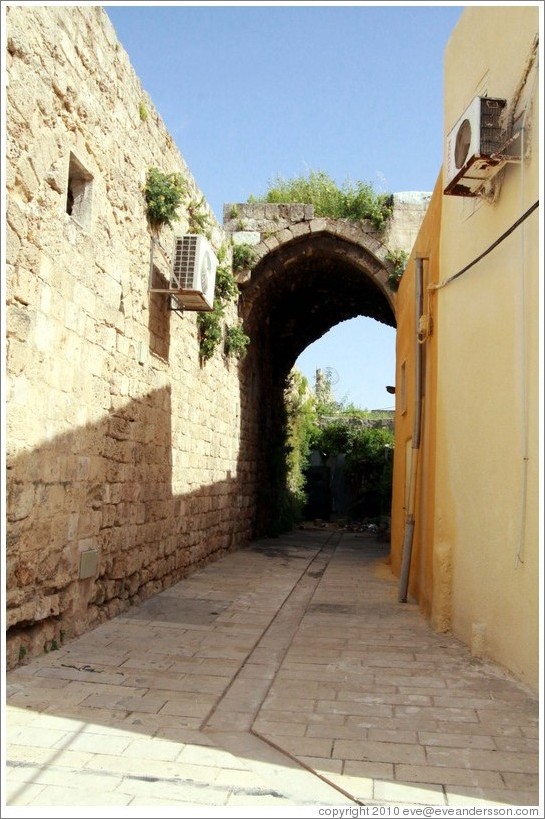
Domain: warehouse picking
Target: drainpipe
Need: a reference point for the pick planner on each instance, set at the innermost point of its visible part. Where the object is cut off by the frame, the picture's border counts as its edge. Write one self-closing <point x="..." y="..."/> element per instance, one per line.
<point x="415" y="451"/>
<point x="523" y="348"/>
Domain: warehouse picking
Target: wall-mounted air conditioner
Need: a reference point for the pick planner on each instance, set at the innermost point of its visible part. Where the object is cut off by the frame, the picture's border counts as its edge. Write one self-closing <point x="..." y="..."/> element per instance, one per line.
<point x="193" y="272"/>
<point x="477" y="147"/>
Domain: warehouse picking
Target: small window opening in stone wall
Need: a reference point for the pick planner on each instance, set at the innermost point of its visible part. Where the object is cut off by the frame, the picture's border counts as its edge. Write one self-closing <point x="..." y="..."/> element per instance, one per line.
<point x="79" y="193"/>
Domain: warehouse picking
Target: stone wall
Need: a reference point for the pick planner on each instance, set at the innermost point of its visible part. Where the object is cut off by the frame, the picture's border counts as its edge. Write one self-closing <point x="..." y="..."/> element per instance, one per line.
<point x="265" y="226"/>
<point x="129" y="461"/>
<point x="409" y="209"/>
<point x="124" y="464"/>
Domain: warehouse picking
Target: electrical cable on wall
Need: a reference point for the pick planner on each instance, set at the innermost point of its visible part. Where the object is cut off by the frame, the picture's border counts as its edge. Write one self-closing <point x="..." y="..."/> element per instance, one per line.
<point x="489" y="249"/>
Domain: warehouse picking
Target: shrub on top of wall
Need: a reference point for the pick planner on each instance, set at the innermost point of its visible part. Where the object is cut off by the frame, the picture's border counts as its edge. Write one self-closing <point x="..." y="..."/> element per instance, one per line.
<point x="354" y="200"/>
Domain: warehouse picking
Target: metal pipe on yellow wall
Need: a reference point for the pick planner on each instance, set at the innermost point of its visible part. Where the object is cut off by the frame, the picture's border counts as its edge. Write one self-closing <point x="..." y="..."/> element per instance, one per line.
<point x="407" y="547"/>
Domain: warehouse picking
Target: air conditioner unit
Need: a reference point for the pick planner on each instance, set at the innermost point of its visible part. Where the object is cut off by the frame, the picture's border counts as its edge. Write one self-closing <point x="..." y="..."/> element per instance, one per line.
<point x="475" y="147"/>
<point x="193" y="272"/>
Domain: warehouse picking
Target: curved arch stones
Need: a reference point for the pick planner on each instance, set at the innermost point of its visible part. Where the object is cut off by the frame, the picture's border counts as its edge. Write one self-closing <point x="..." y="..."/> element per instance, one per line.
<point x="308" y="274"/>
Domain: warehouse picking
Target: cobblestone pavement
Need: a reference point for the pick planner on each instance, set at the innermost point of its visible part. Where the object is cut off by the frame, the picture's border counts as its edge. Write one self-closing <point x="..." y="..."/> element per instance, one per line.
<point x="284" y="674"/>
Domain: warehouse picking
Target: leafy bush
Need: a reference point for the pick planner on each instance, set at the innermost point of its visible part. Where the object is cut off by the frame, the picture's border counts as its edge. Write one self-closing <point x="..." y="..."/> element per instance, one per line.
<point x="399" y="259"/>
<point x="211" y="323"/>
<point x="198" y="218"/>
<point x="300" y="429"/>
<point x="368" y="461"/>
<point x="354" y="200"/>
<point x="332" y="430"/>
<point x="164" y="193"/>
<point x="236" y="341"/>
<point x="243" y="257"/>
<point x="210" y="330"/>
<point x="226" y="286"/>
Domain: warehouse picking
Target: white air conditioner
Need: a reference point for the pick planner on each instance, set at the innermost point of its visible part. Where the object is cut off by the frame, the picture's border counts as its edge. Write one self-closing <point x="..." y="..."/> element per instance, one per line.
<point x="475" y="147"/>
<point x="193" y="272"/>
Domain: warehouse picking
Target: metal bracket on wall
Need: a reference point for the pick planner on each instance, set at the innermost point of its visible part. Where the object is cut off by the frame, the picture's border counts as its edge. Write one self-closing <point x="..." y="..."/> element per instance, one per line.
<point x="173" y="302"/>
<point x="175" y="305"/>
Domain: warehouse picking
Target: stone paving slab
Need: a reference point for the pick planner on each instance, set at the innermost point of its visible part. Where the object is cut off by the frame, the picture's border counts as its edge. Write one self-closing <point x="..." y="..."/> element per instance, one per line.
<point x="284" y="674"/>
<point x="420" y="719"/>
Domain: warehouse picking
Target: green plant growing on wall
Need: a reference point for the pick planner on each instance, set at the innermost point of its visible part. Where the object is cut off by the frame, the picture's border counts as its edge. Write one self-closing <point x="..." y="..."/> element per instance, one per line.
<point x="222" y="252"/>
<point x="244" y="257"/>
<point x="236" y="341"/>
<point x="211" y="324"/>
<point x="164" y="193"/>
<point x="301" y="417"/>
<point x="198" y="218"/>
<point x="210" y="330"/>
<point x="143" y="112"/>
<point x="22" y="653"/>
<point x="353" y="200"/>
<point x="226" y="286"/>
<point x="398" y="258"/>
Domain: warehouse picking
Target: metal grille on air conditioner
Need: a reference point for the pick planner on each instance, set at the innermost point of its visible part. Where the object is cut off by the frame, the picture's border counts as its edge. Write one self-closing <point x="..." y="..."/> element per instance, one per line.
<point x="183" y="263"/>
<point x="477" y="147"/>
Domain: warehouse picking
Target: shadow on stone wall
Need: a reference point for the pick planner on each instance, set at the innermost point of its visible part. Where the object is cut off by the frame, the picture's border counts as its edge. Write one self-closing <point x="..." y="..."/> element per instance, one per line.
<point x="159" y="326"/>
<point x="106" y="491"/>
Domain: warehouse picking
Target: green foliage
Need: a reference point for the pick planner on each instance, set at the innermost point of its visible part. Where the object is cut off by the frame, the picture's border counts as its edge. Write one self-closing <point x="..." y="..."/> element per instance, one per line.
<point x="300" y="427"/>
<point x="368" y="457"/>
<point x="210" y="325"/>
<point x="350" y="411"/>
<point x="236" y="341"/>
<point x="368" y="443"/>
<point x="332" y="428"/>
<point x="143" y="112"/>
<point x="354" y="200"/>
<point x="198" y="217"/>
<point x="164" y="193"/>
<point x="399" y="259"/>
<point x="226" y="286"/>
<point x="244" y="257"/>
<point x="22" y="653"/>
<point x="222" y="252"/>
<point x="331" y="438"/>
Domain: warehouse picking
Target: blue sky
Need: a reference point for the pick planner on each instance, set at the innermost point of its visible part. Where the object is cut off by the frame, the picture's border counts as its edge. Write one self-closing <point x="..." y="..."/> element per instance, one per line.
<point x="250" y="92"/>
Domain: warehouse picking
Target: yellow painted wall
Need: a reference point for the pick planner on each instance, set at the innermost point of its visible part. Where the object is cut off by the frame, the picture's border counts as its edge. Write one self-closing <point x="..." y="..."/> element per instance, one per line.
<point x="475" y="563"/>
<point x="427" y="248"/>
<point x="488" y="361"/>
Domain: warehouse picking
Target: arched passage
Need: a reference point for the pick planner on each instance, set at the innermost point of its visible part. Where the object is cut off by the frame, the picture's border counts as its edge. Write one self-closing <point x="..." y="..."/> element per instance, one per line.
<point x="298" y="291"/>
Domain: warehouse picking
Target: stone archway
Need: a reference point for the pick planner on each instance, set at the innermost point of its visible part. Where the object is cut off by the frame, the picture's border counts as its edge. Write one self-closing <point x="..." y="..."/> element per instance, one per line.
<point x="309" y="275"/>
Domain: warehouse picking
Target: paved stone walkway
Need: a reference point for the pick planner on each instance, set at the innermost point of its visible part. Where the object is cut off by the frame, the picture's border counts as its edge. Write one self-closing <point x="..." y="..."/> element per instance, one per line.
<point x="284" y="674"/>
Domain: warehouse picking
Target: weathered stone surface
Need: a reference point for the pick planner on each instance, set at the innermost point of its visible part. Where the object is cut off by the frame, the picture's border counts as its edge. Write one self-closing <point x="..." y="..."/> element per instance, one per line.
<point x="246" y="237"/>
<point x="34" y="610"/>
<point x="101" y="378"/>
<point x="409" y="210"/>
